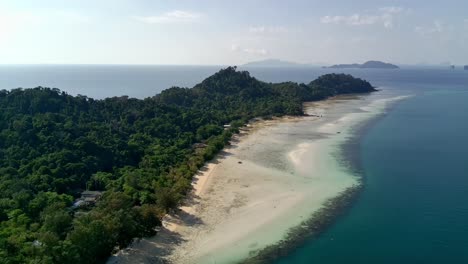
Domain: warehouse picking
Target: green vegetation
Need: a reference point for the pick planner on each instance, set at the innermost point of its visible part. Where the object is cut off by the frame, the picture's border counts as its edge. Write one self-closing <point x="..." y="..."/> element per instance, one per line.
<point x="139" y="152"/>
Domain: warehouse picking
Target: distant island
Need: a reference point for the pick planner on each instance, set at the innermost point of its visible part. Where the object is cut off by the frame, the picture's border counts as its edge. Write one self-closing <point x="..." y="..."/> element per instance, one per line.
<point x="273" y="63"/>
<point x="366" y="65"/>
<point x="466" y="67"/>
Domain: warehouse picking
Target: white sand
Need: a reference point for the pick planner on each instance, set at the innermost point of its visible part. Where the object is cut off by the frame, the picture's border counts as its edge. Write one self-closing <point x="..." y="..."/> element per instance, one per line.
<point x="288" y="169"/>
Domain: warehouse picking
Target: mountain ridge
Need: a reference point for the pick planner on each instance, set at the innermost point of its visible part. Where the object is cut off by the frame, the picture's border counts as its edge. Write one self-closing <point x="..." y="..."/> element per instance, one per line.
<point x="366" y="65"/>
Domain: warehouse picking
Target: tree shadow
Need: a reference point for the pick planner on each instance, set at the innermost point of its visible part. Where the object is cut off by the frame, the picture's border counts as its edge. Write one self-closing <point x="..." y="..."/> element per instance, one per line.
<point x="155" y="249"/>
<point x="181" y="217"/>
<point x="191" y="200"/>
<point x="232" y="146"/>
<point x="223" y="154"/>
<point x="158" y="248"/>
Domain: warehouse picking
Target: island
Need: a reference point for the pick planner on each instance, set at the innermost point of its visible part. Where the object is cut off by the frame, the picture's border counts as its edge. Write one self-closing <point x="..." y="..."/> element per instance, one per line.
<point x="82" y="178"/>
<point x="273" y="63"/>
<point x="465" y="67"/>
<point x="366" y="65"/>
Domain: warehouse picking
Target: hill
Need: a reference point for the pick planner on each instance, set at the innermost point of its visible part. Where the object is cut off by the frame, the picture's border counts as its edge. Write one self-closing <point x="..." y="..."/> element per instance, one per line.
<point x="366" y="65"/>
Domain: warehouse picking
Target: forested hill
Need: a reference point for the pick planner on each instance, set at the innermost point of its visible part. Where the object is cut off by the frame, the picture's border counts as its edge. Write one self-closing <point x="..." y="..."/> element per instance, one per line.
<point x="139" y="152"/>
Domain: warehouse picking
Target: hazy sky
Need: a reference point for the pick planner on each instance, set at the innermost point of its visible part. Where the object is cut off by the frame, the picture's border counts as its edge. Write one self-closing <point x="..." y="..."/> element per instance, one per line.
<point x="232" y="32"/>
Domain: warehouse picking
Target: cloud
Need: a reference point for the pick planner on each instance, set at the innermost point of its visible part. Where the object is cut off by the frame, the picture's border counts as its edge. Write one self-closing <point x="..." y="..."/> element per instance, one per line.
<point x="392" y="9"/>
<point x="362" y="39"/>
<point x="384" y="16"/>
<point x="261" y="29"/>
<point x="235" y="47"/>
<point x="254" y="51"/>
<point x="262" y="52"/>
<point x="436" y="27"/>
<point x="175" y="16"/>
<point x="265" y="29"/>
<point x="353" y="20"/>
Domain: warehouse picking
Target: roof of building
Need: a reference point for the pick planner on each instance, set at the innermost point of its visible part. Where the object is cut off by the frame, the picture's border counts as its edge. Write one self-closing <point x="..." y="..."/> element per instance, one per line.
<point x="91" y="193"/>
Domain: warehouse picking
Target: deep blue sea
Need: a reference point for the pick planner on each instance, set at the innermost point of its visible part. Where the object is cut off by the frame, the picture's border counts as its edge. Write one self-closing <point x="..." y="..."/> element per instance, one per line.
<point x="414" y="205"/>
<point x="414" y="158"/>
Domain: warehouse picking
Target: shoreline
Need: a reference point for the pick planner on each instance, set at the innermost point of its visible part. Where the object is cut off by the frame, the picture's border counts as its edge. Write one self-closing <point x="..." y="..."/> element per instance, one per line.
<point x="311" y="228"/>
<point x="187" y="235"/>
<point x="336" y="207"/>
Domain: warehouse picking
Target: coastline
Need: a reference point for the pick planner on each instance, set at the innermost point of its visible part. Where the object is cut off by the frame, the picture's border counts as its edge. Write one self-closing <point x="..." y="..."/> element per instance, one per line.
<point x="338" y="206"/>
<point x="263" y="190"/>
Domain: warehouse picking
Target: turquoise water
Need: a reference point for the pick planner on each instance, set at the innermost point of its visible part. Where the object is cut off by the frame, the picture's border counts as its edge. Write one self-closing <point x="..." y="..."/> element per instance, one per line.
<point x="414" y="206"/>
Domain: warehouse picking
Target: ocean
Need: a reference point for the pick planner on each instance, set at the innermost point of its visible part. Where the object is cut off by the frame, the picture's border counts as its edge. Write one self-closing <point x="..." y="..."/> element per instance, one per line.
<point x="414" y="164"/>
<point x="101" y="81"/>
<point x="413" y="158"/>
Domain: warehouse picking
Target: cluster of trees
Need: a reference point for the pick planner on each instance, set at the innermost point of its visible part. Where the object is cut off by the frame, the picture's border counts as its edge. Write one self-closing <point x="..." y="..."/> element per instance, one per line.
<point x="139" y="152"/>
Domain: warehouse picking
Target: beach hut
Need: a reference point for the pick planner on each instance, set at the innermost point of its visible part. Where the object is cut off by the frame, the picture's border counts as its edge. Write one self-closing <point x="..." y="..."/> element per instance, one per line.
<point x="88" y="198"/>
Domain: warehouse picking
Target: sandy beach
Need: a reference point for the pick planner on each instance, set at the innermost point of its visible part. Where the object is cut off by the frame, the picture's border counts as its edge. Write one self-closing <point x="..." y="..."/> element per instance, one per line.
<point x="275" y="175"/>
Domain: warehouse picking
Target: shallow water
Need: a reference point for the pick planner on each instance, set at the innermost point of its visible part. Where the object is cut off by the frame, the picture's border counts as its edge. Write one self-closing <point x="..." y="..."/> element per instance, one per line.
<point x="414" y="205"/>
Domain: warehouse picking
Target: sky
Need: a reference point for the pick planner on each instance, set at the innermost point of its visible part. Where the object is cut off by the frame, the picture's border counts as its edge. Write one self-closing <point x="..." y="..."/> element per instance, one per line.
<point x="217" y="32"/>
